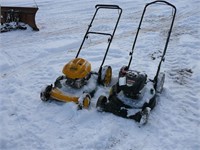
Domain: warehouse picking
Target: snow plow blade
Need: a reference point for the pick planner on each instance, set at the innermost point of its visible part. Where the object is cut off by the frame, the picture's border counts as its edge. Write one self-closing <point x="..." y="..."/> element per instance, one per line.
<point x="24" y="14"/>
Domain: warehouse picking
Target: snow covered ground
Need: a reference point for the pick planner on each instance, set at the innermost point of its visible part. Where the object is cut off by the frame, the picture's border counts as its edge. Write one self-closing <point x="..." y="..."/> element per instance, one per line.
<point x="30" y="60"/>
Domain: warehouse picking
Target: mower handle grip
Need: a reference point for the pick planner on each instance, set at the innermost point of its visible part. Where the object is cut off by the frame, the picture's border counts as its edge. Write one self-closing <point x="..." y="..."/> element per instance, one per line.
<point x="107" y="6"/>
<point x="161" y="1"/>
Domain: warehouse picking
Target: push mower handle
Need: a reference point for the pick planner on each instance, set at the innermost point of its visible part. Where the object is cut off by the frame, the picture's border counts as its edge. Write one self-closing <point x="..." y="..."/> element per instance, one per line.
<point x="169" y="33"/>
<point x="161" y="1"/>
<point x="168" y="37"/>
<point x="98" y="6"/>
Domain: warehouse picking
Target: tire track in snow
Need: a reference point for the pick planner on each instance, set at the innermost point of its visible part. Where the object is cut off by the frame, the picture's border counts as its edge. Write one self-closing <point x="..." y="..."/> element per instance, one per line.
<point x="179" y="103"/>
<point x="22" y="68"/>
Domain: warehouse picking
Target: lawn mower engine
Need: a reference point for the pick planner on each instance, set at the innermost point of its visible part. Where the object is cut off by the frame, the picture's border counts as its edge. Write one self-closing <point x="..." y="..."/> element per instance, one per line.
<point x="77" y="72"/>
<point x="77" y="83"/>
<point x="131" y="82"/>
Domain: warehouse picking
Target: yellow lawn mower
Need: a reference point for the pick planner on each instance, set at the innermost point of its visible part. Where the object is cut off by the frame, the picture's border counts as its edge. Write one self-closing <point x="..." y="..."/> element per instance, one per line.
<point x="78" y="82"/>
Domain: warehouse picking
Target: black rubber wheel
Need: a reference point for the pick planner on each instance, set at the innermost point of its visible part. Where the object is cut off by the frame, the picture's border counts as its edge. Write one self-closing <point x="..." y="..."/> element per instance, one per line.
<point x="45" y="94"/>
<point x="151" y="104"/>
<point x="160" y="82"/>
<point x="106" y="75"/>
<point x="102" y="100"/>
<point x="86" y="101"/>
<point x="57" y="82"/>
<point x="114" y="90"/>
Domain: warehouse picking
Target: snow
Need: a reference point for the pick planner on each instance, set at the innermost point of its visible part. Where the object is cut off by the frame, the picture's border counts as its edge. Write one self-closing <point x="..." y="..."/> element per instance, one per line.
<point x="30" y="60"/>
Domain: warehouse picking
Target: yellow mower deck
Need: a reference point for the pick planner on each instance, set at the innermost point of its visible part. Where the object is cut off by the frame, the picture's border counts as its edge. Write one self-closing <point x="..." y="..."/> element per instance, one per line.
<point x="58" y="95"/>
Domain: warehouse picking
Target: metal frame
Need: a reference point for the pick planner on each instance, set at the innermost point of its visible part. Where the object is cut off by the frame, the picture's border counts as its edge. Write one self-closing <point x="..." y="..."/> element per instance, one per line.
<point x="168" y="37"/>
<point x="98" y="7"/>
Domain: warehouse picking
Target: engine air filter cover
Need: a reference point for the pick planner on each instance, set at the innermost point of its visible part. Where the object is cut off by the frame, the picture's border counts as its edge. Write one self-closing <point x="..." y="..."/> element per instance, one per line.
<point x="77" y="68"/>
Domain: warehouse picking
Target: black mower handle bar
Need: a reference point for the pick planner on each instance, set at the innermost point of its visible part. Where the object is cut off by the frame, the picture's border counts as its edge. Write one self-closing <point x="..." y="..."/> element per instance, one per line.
<point x="168" y="36"/>
<point x="107" y="6"/>
<point x="98" y="7"/>
<point x="139" y="27"/>
<point x="161" y="1"/>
